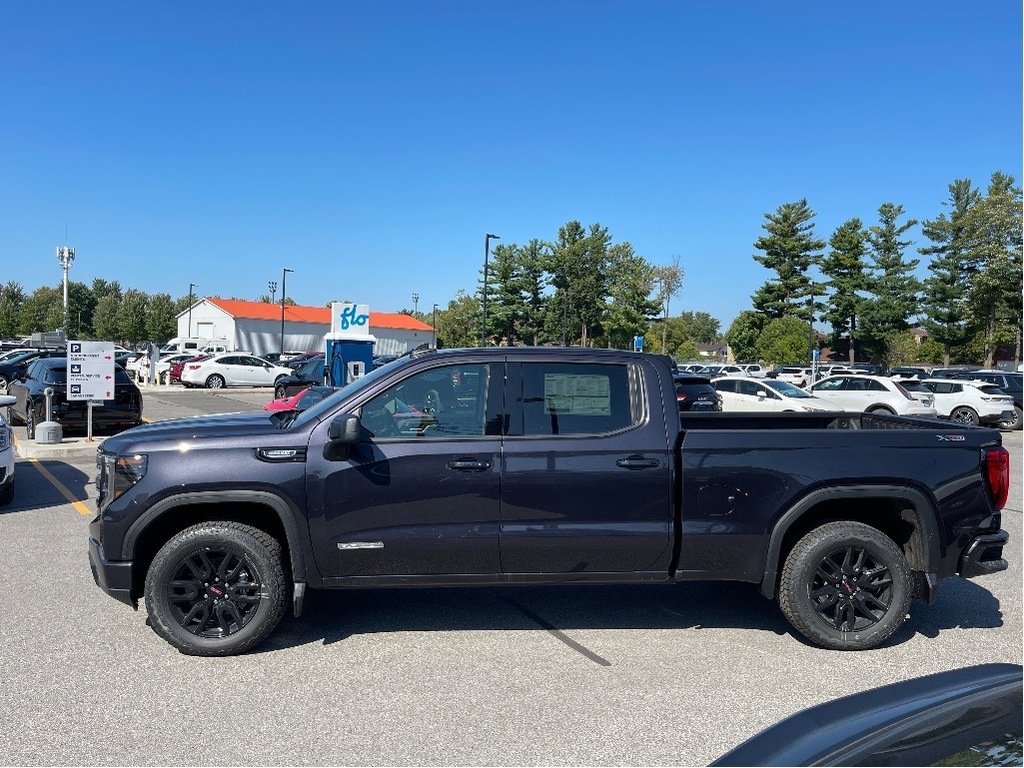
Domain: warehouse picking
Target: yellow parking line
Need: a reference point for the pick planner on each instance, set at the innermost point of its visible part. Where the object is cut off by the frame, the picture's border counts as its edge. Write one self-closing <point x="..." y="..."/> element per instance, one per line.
<point x="79" y="505"/>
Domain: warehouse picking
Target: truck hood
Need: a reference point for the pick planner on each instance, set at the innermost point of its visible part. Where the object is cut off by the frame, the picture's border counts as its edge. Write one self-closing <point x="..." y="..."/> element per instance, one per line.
<point x="219" y="426"/>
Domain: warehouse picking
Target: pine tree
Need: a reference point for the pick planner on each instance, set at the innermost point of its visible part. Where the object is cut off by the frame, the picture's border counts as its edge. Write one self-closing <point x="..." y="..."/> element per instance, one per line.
<point x="946" y="291"/>
<point x="789" y="249"/>
<point x="896" y="291"/>
<point x="846" y="271"/>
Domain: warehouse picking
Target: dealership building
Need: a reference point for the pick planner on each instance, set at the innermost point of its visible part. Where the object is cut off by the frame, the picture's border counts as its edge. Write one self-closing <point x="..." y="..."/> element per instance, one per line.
<point x="255" y="326"/>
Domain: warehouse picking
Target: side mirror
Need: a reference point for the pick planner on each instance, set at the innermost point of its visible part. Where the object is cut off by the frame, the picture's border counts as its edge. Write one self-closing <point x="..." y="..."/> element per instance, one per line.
<point x="344" y="429"/>
<point x="761" y="394"/>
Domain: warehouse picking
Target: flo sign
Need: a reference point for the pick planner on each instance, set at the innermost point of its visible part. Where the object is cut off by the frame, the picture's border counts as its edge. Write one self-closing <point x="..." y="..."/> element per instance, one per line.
<point x="350" y="320"/>
<point x="90" y="370"/>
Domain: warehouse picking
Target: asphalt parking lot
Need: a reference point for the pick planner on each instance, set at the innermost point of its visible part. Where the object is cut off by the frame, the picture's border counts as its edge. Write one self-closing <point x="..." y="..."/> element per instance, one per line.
<point x="652" y="675"/>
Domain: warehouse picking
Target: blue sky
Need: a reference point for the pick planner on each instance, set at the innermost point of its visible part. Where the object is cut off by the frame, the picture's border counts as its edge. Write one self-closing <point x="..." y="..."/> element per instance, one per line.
<point x="370" y="146"/>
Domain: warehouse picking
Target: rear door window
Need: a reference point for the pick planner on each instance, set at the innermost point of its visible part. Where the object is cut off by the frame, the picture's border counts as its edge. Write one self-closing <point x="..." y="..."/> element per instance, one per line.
<point x="576" y="399"/>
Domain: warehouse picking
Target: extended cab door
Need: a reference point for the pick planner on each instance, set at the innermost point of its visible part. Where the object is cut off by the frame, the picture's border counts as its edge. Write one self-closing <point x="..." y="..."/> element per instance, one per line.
<point x="586" y="482"/>
<point x="418" y="495"/>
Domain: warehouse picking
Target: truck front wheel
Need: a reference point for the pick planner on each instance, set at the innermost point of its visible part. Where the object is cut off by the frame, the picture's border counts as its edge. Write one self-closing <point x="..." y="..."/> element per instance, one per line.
<point x="846" y="586"/>
<point x="216" y="589"/>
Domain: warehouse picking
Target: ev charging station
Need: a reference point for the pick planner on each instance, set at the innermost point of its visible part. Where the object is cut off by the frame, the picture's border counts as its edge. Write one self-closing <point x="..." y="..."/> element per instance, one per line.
<point x="348" y="348"/>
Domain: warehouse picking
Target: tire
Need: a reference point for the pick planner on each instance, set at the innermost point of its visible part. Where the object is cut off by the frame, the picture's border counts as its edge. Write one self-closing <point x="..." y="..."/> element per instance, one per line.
<point x="12" y="417"/>
<point x="3" y="385"/>
<point x="279" y="392"/>
<point x="869" y="600"/>
<point x="215" y="381"/>
<point x="184" y="578"/>
<point x="7" y="493"/>
<point x="885" y="410"/>
<point x="1016" y="421"/>
<point x="965" y="415"/>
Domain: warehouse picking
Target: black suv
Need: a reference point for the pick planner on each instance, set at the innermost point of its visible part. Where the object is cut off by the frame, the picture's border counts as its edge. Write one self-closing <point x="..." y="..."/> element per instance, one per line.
<point x="695" y="393"/>
<point x="123" y="411"/>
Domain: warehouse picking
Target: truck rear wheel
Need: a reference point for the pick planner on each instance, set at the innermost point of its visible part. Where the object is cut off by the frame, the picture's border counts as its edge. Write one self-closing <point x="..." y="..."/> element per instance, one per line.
<point x="846" y="586"/>
<point x="216" y="589"/>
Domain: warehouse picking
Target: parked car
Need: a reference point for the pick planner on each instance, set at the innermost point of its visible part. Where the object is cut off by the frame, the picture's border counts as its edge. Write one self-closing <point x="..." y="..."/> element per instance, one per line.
<point x="310" y="374"/>
<point x="175" y="368"/>
<point x="232" y="369"/>
<point x="29" y="408"/>
<point x="14" y="367"/>
<point x="1008" y="381"/>
<point x="916" y="389"/>
<point x="869" y="394"/>
<point x="907" y="372"/>
<point x="12" y="353"/>
<point x="711" y="371"/>
<point x="970" y="402"/>
<point x="301" y="400"/>
<point x="871" y="369"/>
<point x="968" y="716"/>
<point x="754" y="370"/>
<point x="695" y="393"/>
<point x="299" y="360"/>
<point x="743" y="393"/>
<point x="139" y="368"/>
<point x="6" y="454"/>
<point x="798" y="376"/>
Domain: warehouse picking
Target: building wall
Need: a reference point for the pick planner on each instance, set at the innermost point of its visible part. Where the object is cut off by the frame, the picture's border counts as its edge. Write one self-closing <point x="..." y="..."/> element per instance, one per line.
<point x="392" y="341"/>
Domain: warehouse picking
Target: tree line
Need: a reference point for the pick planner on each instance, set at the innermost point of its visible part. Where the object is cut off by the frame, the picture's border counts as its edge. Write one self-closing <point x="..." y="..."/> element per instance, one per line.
<point x="868" y="291"/>
<point x="584" y="288"/>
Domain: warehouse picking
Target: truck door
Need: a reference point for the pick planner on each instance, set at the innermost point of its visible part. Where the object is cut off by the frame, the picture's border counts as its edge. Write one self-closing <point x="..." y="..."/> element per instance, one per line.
<point x="419" y="495"/>
<point x="586" y="477"/>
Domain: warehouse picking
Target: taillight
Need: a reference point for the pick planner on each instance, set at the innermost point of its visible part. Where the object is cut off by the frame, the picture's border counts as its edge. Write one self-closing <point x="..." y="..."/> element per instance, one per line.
<point x="997" y="472"/>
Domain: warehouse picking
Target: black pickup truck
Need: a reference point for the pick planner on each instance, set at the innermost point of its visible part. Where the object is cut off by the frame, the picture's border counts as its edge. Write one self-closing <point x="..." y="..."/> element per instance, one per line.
<point x="539" y="465"/>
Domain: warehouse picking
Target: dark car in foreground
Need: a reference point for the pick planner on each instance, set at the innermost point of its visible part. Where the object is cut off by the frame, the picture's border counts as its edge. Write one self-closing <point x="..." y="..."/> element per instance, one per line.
<point x="695" y="393"/>
<point x="123" y="411"/>
<point x="969" y="716"/>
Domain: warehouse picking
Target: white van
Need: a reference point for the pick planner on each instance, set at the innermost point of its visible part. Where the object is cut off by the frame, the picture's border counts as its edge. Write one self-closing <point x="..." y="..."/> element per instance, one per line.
<point x="194" y="344"/>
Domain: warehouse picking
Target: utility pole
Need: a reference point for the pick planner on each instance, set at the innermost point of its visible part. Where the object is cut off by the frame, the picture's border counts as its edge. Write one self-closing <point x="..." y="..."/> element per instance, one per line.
<point x="415" y="303"/>
<point x="272" y="287"/>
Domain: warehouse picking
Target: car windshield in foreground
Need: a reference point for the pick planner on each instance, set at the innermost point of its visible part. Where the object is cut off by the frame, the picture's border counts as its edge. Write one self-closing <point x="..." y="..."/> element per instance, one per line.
<point x="317" y="411"/>
<point x="785" y="388"/>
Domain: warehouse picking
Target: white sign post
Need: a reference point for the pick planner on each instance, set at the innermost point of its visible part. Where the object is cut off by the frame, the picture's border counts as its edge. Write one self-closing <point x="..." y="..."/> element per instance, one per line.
<point x="90" y="374"/>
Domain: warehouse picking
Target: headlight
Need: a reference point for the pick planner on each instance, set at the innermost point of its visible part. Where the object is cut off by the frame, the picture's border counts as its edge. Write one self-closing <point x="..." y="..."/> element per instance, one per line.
<point x="5" y="437"/>
<point x="128" y="470"/>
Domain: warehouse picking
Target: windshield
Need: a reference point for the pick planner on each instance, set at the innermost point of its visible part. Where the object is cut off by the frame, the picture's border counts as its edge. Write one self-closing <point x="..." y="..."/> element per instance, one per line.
<point x="316" y="412"/>
<point x="785" y="388"/>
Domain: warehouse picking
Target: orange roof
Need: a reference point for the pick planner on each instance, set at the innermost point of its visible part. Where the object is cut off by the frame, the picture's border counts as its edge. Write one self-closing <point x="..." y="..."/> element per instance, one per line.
<point x="261" y="310"/>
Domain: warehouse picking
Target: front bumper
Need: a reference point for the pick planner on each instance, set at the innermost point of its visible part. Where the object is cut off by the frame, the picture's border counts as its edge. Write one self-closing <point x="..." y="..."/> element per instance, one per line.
<point x="984" y="555"/>
<point x="114" y="578"/>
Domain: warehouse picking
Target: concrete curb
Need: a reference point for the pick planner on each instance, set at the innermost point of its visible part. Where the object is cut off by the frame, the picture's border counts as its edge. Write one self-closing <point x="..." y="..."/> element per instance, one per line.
<point x="70" y="448"/>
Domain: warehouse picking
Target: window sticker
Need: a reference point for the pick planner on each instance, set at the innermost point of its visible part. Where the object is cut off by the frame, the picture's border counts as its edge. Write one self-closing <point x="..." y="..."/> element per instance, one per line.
<point x="577" y="394"/>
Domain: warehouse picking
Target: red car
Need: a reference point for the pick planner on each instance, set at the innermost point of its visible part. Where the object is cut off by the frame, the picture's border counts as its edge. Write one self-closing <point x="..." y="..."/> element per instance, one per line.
<point x="174" y="372"/>
<point x="300" y="401"/>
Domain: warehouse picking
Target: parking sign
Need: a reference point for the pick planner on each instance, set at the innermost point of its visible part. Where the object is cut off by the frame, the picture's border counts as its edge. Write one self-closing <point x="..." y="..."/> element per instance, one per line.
<point x="90" y="370"/>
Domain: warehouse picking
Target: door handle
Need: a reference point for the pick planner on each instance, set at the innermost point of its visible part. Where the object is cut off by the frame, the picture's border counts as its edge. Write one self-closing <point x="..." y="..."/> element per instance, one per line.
<point x="469" y="465"/>
<point x="637" y="462"/>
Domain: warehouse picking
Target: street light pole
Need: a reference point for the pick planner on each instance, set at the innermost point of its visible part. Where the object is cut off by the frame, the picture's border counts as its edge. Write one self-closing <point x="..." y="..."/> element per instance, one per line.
<point x="65" y="256"/>
<point x="190" y="287"/>
<point x="487" y="255"/>
<point x="415" y="303"/>
<point x="433" y="324"/>
<point x="272" y="287"/>
<point x="284" y="279"/>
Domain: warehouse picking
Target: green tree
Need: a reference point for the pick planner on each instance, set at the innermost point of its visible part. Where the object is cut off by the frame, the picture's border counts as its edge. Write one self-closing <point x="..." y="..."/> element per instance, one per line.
<point x="631" y="282"/>
<point x="700" y="326"/>
<point x="783" y="340"/>
<point x="789" y="249"/>
<point x="104" y="318"/>
<point x="901" y="348"/>
<point x="579" y="274"/>
<point x="12" y="296"/>
<point x="458" y="325"/>
<point x="946" y="291"/>
<point x="42" y="310"/>
<point x="81" y="305"/>
<point x="896" y="291"/>
<point x="669" y="281"/>
<point x="844" y="266"/>
<point x="994" y="231"/>
<point x="161" y="319"/>
<point x="131" y="317"/>
<point x="744" y="333"/>
<point x="533" y="283"/>
<point x="506" y="303"/>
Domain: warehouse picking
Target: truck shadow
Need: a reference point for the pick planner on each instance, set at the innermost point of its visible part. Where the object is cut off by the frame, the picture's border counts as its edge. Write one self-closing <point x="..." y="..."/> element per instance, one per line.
<point x="33" y="488"/>
<point x="334" y="616"/>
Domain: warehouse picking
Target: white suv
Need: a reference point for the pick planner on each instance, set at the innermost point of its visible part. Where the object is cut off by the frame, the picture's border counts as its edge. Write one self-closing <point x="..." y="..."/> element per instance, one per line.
<point x="970" y="402"/>
<point x="6" y="454"/>
<point x="870" y="394"/>
<point x="795" y="375"/>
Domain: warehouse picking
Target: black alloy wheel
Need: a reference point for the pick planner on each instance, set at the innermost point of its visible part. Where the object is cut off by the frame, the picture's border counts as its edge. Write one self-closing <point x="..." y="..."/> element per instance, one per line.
<point x="3" y="385"/>
<point x="851" y="590"/>
<point x="214" y="591"/>
<point x="965" y="415"/>
<point x="216" y="588"/>
<point x="279" y="392"/>
<point x="846" y="586"/>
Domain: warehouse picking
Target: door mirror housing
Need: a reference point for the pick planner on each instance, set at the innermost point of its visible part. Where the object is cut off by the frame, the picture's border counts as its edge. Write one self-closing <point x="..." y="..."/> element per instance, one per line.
<point x="345" y="429"/>
<point x="761" y="394"/>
